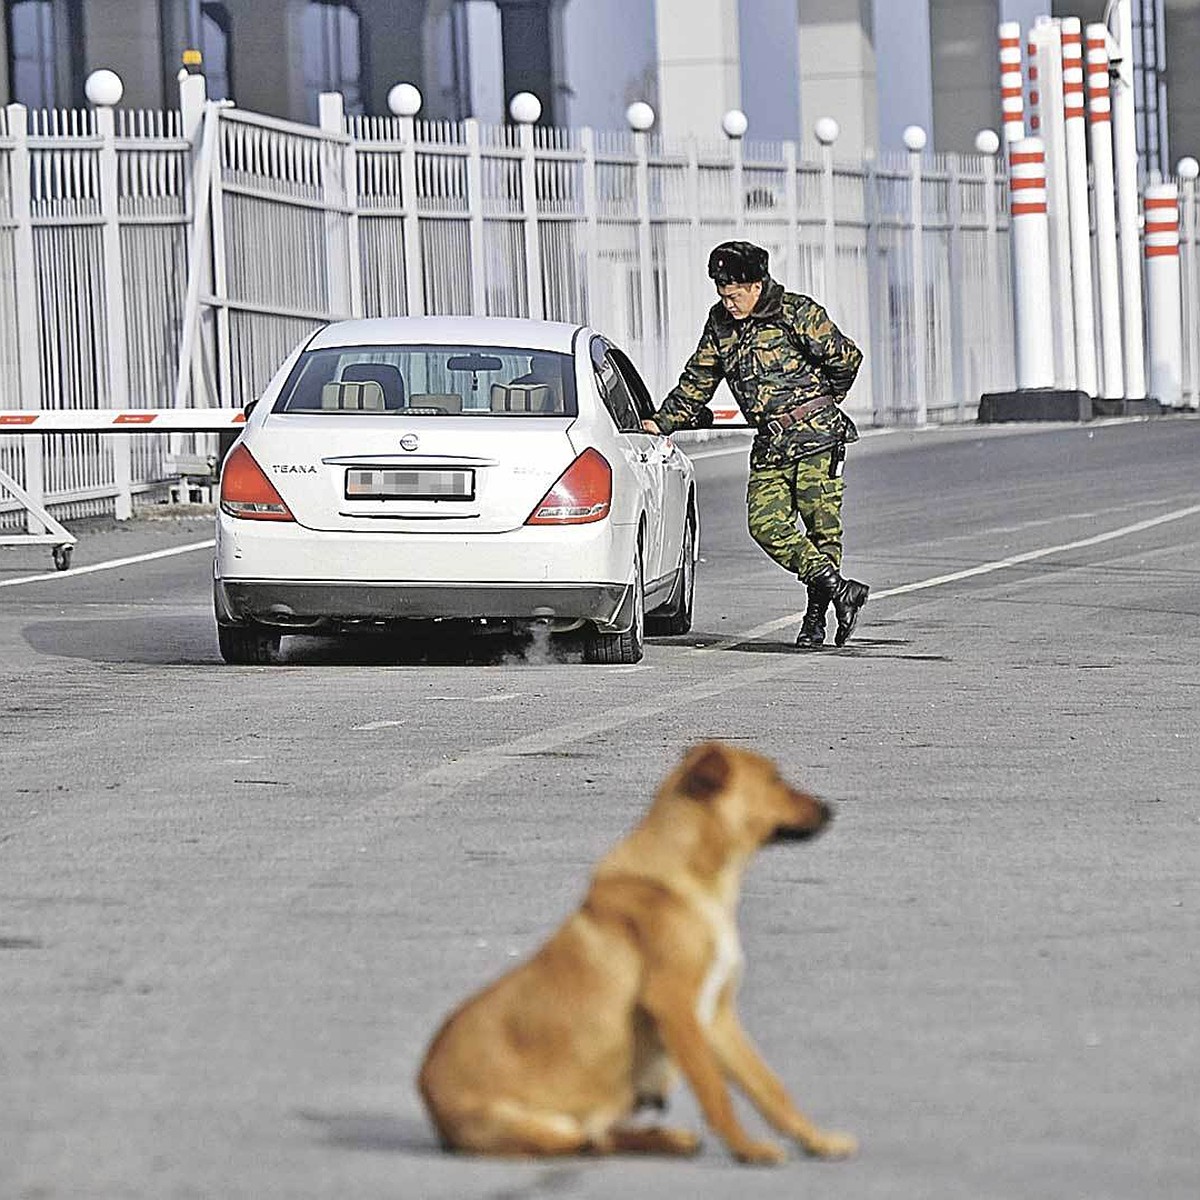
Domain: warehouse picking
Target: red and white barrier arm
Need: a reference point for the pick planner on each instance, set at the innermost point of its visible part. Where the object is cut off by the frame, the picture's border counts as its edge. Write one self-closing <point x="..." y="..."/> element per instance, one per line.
<point x="116" y="420"/>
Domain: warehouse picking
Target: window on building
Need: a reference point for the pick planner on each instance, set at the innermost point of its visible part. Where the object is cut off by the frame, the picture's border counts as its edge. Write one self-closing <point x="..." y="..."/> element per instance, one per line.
<point x="43" y="52"/>
<point x="331" y="41"/>
<point x="215" y="49"/>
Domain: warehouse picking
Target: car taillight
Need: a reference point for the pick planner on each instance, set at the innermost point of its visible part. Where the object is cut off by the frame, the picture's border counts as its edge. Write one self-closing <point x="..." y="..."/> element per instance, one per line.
<point x="582" y="494"/>
<point x="247" y="492"/>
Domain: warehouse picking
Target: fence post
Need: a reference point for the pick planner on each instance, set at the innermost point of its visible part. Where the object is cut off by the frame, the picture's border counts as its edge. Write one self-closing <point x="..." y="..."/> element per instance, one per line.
<point x="696" y="253"/>
<point x="116" y="346"/>
<point x="987" y="143"/>
<point x="644" y="251"/>
<point x="25" y="284"/>
<point x="878" y="299"/>
<point x="1188" y="169"/>
<point x="1162" y="293"/>
<point x="331" y="117"/>
<point x="958" y="348"/>
<point x="914" y="140"/>
<point x="525" y="108"/>
<point x="735" y="124"/>
<point x="791" y="209"/>
<point x="414" y="266"/>
<point x="827" y="130"/>
<point x="475" y="217"/>
<point x="591" y="224"/>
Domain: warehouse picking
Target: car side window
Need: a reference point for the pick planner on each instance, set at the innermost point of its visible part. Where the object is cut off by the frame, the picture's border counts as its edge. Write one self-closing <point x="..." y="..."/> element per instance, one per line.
<point x="636" y="387"/>
<point x="613" y="389"/>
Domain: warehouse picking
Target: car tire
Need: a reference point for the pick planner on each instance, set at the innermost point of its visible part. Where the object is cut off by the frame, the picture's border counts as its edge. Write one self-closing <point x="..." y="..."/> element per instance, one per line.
<point x="676" y="617"/>
<point x="248" y="645"/>
<point x="627" y="647"/>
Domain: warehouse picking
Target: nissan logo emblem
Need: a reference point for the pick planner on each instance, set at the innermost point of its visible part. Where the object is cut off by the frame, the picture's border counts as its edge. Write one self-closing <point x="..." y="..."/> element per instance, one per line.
<point x="409" y="441"/>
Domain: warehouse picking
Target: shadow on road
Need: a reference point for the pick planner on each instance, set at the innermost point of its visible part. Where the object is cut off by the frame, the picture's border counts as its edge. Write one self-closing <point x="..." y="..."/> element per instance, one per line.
<point x="373" y="1131"/>
<point x="187" y="642"/>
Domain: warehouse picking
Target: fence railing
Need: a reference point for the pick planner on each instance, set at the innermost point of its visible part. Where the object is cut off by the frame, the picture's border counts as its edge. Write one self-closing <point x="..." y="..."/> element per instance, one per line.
<point x="160" y="259"/>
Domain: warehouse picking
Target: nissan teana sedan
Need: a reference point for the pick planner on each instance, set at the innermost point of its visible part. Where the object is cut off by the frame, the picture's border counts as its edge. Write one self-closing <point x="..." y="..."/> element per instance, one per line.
<point x="481" y="473"/>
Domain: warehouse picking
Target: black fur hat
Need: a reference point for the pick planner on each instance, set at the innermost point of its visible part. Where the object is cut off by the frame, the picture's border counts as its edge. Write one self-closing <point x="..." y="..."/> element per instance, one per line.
<point x="737" y="262"/>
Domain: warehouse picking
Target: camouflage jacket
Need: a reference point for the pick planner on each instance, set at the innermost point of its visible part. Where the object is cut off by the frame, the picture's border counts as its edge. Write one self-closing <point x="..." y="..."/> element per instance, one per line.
<point x="785" y="352"/>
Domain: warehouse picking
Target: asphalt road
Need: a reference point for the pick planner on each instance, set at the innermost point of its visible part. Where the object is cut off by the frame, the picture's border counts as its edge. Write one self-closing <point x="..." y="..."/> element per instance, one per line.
<point x="235" y="902"/>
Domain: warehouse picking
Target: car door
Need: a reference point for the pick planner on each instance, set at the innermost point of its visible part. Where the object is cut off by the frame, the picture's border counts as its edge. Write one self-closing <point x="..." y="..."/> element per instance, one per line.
<point x="668" y="464"/>
<point x="637" y="448"/>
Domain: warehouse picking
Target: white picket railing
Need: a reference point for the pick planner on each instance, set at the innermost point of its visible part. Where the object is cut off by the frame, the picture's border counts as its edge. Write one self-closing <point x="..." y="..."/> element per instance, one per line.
<point x="127" y="236"/>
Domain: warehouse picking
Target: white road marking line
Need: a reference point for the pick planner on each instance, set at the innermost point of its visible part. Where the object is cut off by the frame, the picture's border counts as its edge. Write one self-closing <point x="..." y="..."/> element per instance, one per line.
<point x="112" y="564"/>
<point x="374" y="725"/>
<point x="987" y="568"/>
<point x="500" y="699"/>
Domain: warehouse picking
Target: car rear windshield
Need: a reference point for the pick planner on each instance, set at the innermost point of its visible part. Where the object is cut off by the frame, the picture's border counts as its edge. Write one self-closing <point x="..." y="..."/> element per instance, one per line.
<point x="433" y="381"/>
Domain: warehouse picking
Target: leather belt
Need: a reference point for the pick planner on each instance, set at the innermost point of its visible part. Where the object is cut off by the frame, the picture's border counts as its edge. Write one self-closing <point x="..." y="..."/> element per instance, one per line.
<point x="776" y="425"/>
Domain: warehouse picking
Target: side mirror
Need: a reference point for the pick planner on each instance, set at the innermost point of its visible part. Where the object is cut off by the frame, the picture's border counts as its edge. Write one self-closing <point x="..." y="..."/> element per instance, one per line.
<point x="250" y="406"/>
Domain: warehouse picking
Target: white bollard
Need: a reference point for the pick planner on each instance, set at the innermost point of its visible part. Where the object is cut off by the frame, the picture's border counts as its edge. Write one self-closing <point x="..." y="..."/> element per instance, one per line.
<point x="1125" y="147"/>
<point x="1032" y="317"/>
<point x="1164" y="310"/>
<point x="1188" y="170"/>
<point x="1046" y="121"/>
<point x="1075" y="133"/>
<point x="1112" y="373"/>
<point x="1012" y="97"/>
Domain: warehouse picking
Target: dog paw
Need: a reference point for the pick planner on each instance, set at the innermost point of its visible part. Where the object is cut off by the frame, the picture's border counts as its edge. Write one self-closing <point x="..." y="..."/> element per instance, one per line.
<point x="832" y="1145"/>
<point x="760" y="1154"/>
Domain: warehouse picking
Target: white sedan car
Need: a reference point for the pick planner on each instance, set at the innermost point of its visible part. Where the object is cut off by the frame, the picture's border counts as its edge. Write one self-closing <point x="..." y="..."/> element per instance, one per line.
<point x="486" y="471"/>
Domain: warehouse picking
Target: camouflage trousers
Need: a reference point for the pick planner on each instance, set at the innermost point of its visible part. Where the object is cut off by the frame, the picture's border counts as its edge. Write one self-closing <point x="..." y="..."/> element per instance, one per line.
<point x="777" y="498"/>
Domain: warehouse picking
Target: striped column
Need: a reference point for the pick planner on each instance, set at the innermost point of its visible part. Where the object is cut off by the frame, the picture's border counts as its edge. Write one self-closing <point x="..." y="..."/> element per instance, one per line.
<point x="1046" y="105"/>
<point x="1032" y="316"/>
<point x="1012" y="100"/>
<point x="1112" y="373"/>
<point x="1075" y="137"/>
<point x="1128" y="215"/>
<point x="1163" y="307"/>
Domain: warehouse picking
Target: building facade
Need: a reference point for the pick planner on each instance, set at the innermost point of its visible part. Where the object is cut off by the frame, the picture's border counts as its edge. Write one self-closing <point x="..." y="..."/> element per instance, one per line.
<point x="875" y="65"/>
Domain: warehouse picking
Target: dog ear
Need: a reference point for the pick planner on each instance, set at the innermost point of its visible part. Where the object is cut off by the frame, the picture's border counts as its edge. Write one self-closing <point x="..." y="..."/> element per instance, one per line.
<point x="706" y="772"/>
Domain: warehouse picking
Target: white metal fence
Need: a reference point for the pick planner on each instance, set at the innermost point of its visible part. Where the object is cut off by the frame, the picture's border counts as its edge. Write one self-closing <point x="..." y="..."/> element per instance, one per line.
<point x="176" y="258"/>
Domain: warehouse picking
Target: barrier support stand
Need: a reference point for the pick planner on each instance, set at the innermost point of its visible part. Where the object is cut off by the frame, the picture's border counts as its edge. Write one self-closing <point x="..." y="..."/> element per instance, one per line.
<point x="25" y="284"/>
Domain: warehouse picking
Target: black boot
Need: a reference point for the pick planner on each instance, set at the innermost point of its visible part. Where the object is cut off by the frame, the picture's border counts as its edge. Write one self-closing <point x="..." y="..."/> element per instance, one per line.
<point x="848" y="596"/>
<point x="812" y="629"/>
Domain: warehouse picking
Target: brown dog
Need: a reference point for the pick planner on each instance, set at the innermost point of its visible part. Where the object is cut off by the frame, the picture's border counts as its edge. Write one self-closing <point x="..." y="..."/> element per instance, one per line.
<point x="555" y="1056"/>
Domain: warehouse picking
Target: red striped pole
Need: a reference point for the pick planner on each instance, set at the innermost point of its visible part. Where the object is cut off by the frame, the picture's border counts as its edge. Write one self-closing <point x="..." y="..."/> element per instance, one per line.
<point x="1012" y="100"/>
<point x="1032" y="315"/>
<point x="1112" y="381"/>
<point x="1163" y="306"/>
<point x="1079" y="222"/>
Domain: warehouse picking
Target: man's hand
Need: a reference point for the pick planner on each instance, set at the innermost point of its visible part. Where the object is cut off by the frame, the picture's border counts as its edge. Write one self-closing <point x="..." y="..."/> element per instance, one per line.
<point x="650" y="427"/>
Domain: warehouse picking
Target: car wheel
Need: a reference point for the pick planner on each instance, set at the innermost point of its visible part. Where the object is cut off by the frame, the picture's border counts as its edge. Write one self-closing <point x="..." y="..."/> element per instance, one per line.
<point x="626" y="647"/>
<point x="248" y="645"/>
<point x="676" y="618"/>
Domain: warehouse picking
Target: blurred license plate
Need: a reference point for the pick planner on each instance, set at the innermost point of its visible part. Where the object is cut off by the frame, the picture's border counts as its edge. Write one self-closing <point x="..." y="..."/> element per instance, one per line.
<point x="410" y="483"/>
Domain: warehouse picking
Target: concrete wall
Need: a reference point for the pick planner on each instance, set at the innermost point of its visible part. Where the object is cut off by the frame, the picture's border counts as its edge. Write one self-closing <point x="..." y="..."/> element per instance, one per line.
<point x="610" y="59"/>
<point x="770" y="68"/>
<point x="837" y="72"/>
<point x="904" y="71"/>
<point x="699" y="76"/>
<point x="966" y="72"/>
<point x="126" y="36"/>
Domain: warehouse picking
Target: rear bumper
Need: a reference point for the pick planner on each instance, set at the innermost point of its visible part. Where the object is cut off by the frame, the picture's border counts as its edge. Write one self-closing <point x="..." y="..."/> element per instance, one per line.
<point x="300" y="604"/>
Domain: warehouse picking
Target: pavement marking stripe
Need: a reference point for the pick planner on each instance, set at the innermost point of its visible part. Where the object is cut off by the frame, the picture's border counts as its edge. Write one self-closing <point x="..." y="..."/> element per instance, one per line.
<point x="999" y="564"/>
<point x="111" y="565"/>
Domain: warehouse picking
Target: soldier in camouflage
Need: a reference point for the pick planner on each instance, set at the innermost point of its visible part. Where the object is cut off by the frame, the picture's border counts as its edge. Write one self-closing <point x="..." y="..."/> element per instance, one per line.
<point x="788" y="367"/>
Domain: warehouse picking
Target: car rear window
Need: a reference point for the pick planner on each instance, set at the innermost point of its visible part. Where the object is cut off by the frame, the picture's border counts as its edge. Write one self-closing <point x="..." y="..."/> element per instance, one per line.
<point x="434" y="381"/>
